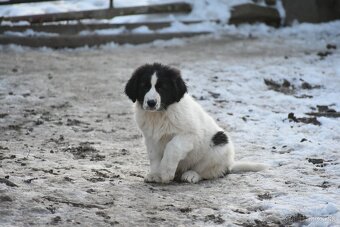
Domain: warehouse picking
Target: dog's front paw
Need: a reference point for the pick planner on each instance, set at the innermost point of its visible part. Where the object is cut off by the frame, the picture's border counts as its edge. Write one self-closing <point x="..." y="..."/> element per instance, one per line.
<point x="166" y="177"/>
<point x="191" y="177"/>
<point x="152" y="178"/>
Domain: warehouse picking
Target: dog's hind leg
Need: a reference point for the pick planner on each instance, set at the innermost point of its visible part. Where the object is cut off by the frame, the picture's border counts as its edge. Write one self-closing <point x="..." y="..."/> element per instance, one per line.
<point x="191" y="177"/>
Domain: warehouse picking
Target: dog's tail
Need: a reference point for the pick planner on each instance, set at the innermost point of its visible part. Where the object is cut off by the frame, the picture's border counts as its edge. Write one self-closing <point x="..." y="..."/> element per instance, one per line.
<point x="240" y="167"/>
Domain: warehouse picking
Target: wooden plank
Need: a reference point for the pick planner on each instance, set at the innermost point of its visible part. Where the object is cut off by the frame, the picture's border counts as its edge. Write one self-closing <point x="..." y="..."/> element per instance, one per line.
<point x="103" y="13"/>
<point x="70" y="41"/>
<point x="10" y="2"/>
<point x="72" y="29"/>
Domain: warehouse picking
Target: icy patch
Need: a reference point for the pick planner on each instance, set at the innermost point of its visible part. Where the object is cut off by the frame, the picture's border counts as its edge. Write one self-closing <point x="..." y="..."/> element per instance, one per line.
<point x="324" y="210"/>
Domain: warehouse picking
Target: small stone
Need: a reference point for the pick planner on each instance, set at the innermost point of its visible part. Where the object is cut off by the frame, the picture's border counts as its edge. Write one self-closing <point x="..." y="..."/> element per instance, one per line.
<point x="265" y="196"/>
<point x="38" y="122"/>
<point x="324" y="54"/>
<point x="286" y="83"/>
<point x="315" y="160"/>
<point x="331" y="46"/>
<point x="90" y="190"/>
<point x="124" y="151"/>
<point x="56" y="220"/>
<point x="185" y="210"/>
<point x="306" y="85"/>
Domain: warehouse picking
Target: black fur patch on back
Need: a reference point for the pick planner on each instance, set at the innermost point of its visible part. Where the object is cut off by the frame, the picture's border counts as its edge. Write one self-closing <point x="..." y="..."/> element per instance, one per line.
<point x="220" y="138"/>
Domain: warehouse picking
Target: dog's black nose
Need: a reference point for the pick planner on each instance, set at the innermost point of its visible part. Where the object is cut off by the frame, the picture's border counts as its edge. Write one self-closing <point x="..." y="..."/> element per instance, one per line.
<point x="151" y="103"/>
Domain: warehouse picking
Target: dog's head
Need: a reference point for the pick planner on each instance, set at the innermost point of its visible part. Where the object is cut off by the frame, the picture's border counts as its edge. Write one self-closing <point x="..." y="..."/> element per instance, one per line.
<point x="155" y="86"/>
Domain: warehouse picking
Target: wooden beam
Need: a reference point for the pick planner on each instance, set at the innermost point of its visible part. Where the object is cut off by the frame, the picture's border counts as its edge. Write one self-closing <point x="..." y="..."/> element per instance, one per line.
<point x="10" y="2"/>
<point x="73" y="29"/>
<point x="70" y="41"/>
<point x="103" y="13"/>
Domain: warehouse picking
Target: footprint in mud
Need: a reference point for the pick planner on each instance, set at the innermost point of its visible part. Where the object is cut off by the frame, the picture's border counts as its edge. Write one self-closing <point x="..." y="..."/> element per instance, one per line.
<point x="286" y="87"/>
<point x="305" y="120"/>
<point x="217" y="219"/>
<point x="83" y="151"/>
<point x="75" y="122"/>
<point x="56" y="220"/>
<point x="297" y="218"/>
<point x="95" y="179"/>
<point x="103" y="214"/>
<point x="102" y="175"/>
<point x="265" y="196"/>
<point x="324" y="111"/>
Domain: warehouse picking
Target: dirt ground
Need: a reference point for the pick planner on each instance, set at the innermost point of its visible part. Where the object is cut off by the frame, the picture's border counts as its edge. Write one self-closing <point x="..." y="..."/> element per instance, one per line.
<point x="71" y="154"/>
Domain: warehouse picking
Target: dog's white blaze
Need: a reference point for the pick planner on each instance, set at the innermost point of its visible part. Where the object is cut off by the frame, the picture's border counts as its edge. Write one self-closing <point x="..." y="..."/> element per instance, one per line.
<point x="152" y="94"/>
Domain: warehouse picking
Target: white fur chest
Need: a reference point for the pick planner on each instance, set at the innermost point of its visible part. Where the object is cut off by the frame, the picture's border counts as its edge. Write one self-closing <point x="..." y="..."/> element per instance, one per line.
<point x="155" y="125"/>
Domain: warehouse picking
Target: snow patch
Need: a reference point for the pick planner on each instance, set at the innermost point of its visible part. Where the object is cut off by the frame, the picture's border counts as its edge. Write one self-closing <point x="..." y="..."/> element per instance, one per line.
<point x="30" y="32"/>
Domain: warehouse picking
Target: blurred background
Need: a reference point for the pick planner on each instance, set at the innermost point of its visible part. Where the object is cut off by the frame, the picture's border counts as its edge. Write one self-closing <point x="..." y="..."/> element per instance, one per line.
<point x="75" y="23"/>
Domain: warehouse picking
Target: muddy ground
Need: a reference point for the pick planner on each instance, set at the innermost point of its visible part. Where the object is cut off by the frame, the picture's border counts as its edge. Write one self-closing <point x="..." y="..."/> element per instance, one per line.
<point x="71" y="154"/>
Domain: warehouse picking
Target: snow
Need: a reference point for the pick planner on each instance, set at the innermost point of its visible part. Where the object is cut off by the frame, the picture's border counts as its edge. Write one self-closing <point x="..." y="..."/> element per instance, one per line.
<point x="52" y="7"/>
<point x="104" y="31"/>
<point x="30" y="32"/>
<point x="142" y="29"/>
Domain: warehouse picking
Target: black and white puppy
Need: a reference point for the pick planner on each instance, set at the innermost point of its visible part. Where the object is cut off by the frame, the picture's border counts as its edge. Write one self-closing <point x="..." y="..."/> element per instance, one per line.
<point x="182" y="140"/>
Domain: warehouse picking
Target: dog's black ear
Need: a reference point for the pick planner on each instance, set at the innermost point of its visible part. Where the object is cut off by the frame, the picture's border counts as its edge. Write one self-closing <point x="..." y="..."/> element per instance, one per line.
<point x="131" y="88"/>
<point x="180" y="86"/>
